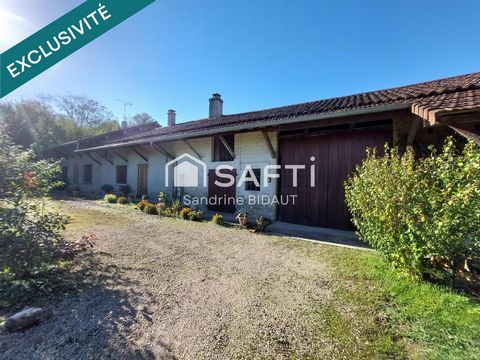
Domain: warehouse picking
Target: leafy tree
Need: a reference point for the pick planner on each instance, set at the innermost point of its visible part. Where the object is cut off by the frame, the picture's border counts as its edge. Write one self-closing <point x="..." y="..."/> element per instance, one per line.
<point x="81" y="116"/>
<point x="143" y="118"/>
<point x="413" y="209"/>
<point x="47" y="121"/>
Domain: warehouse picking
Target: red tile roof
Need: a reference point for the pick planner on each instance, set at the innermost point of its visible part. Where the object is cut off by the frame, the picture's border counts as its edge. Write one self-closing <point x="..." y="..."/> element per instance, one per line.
<point x="402" y="96"/>
<point x="430" y="108"/>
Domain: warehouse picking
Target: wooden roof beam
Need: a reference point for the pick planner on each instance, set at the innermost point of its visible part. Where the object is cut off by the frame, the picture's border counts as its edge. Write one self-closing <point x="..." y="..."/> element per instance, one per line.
<point x="269" y="144"/>
<point x="140" y="154"/>
<point x="229" y="149"/>
<point x="192" y="148"/>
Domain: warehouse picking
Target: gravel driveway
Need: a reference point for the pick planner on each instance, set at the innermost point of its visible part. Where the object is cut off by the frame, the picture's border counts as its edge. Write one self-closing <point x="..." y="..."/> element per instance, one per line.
<point x="166" y="288"/>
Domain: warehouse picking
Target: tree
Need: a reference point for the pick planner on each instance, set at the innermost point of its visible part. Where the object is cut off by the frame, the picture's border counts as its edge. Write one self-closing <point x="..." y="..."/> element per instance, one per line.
<point x="143" y="118"/>
<point x="31" y="121"/>
<point x="82" y="116"/>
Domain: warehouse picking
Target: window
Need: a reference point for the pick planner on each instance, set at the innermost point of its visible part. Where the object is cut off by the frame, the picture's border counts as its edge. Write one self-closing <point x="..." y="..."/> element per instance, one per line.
<point x="250" y="185"/>
<point x="87" y="174"/>
<point x="220" y="152"/>
<point x="121" y="174"/>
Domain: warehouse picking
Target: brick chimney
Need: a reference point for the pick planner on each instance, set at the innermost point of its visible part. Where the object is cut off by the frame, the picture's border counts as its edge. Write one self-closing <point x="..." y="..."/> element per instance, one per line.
<point x="171" y="117"/>
<point x="216" y="107"/>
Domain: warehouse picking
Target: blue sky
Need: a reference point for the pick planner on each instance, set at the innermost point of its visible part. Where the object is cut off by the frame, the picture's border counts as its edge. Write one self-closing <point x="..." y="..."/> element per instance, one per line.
<point x="257" y="54"/>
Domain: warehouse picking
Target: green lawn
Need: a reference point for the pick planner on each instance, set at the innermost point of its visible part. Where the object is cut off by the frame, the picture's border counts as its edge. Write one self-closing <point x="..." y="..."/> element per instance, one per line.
<point x="414" y="320"/>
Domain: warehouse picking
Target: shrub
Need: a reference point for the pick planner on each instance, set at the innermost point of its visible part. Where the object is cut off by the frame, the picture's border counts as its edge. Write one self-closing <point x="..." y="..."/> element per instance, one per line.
<point x="141" y="205"/>
<point x="167" y="213"/>
<point x="185" y="212"/>
<point x="150" y="209"/>
<point x="125" y="189"/>
<point x="217" y="219"/>
<point x="412" y="209"/>
<point x="195" y="216"/>
<point x="122" y="200"/>
<point x="176" y="206"/>
<point x="29" y="230"/>
<point x="110" y="198"/>
<point x="161" y="207"/>
<point x="107" y="188"/>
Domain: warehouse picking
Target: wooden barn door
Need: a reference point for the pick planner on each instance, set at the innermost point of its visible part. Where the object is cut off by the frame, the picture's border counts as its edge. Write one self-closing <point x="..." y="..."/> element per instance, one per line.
<point x="142" y="179"/>
<point x="336" y="156"/>
<point x="221" y="192"/>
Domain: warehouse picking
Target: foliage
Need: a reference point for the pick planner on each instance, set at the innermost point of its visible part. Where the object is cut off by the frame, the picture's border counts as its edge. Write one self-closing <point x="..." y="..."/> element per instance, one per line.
<point x="29" y="230"/>
<point x="141" y="205"/>
<point x="125" y="189"/>
<point x="150" y="209"/>
<point x="162" y="197"/>
<point x="83" y="117"/>
<point x="68" y="250"/>
<point x="110" y="198"/>
<point x="411" y="209"/>
<point x="122" y="200"/>
<point x="168" y="212"/>
<point x="185" y="212"/>
<point x="176" y="206"/>
<point x="195" y="216"/>
<point x="161" y="206"/>
<point x="144" y="197"/>
<point x="217" y="219"/>
<point x="107" y="188"/>
<point x="262" y="222"/>
<point x="142" y="118"/>
<point x="47" y="121"/>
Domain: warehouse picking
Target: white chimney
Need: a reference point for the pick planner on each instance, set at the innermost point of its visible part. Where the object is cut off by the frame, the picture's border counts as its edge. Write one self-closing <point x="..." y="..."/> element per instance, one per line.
<point x="171" y="117"/>
<point x="216" y="107"/>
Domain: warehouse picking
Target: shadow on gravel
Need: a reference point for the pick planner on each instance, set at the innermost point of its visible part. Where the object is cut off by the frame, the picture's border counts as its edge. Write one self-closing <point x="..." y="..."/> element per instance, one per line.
<point x="93" y="322"/>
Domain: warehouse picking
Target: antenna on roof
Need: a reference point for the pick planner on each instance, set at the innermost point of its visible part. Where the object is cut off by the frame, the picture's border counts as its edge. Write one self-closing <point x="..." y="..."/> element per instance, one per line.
<point x="125" y="104"/>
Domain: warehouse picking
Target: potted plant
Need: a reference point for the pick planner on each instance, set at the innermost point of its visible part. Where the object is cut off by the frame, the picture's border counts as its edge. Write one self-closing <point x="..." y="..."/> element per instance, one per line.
<point x="262" y="222"/>
<point x="242" y="217"/>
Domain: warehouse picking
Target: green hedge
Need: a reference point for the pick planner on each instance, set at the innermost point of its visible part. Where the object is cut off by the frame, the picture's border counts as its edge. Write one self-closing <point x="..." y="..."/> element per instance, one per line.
<point x="413" y="209"/>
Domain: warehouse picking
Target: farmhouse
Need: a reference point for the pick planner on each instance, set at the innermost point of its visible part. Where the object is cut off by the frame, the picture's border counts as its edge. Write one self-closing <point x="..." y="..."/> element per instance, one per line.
<point x="326" y="139"/>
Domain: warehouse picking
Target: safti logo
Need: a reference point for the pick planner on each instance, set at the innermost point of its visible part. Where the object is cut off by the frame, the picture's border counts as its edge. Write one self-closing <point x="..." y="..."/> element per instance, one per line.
<point x="186" y="171"/>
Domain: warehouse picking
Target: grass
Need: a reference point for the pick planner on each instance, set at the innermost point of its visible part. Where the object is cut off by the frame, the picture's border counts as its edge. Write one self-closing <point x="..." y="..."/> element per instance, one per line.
<point x="399" y="318"/>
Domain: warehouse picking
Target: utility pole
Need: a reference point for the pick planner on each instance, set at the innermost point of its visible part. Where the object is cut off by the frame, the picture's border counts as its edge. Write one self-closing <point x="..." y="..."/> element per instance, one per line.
<point x="125" y="104"/>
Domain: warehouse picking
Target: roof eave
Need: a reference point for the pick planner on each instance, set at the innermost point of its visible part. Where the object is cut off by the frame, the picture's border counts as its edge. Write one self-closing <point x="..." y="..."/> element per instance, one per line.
<point x="253" y="125"/>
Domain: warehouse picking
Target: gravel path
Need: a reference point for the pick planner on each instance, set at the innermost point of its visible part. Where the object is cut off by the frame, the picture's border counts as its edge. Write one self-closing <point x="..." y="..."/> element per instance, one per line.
<point x="172" y="289"/>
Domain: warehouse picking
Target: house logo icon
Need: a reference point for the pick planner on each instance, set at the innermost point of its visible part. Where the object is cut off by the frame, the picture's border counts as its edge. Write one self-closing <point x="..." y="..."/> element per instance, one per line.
<point x="187" y="170"/>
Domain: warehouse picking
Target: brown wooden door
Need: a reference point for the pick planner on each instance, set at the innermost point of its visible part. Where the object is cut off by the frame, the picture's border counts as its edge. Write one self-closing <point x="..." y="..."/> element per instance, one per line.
<point x="142" y="179"/>
<point x="336" y="156"/>
<point x="225" y="196"/>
